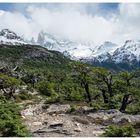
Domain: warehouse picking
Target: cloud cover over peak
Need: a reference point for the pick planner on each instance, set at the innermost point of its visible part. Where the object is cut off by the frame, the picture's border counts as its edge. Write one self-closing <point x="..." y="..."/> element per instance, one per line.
<point x="85" y="22"/>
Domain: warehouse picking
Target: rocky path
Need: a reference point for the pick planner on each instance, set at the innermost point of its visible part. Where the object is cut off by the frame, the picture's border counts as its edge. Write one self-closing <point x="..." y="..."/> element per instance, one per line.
<point x="54" y="121"/>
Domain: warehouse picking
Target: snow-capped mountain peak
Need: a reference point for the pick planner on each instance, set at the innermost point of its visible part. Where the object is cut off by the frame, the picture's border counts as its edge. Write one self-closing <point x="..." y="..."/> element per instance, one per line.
<point x="80" y="50"/>
<point x="130" y="51"/>
<point x="10" y="38"/>
<point x="75" y="49"/>
<point x="106" y="47"/>
<point x="9" y="34"/>
<point x="133" y="46"/>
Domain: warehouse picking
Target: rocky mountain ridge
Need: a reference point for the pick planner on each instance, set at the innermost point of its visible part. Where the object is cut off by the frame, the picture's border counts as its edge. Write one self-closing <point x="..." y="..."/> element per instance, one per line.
<point x="87" y="52"/>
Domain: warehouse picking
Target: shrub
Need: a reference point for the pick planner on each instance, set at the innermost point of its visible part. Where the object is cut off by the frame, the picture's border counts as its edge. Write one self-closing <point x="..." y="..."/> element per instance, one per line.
<point x="111" y="104"/>
<point x="117" y="131"/>
<point x="10" y="121"/>
<point x="72" y="109"/>
<point x="45" y="88"/>
<point x="23" y="96"/>
<point x="10" y="81"/>
<point x="95" y="106"/>
<point x="54" y="99"/>
<point x="134" y="109"/>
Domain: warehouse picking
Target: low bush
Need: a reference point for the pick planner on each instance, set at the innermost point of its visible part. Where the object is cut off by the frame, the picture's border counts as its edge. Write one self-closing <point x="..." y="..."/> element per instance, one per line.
<point x="45" y="88"/>
<point x="72" y="109"/>
<point x="23" y="96"/>
<point x="117" y="131"/>
<point x="10" y="121"/>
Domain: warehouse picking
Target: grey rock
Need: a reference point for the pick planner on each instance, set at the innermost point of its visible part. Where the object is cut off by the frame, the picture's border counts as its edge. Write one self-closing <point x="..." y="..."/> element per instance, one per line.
<point x="55" y="108"/>
<point x="58" y="130"/>
<point x="81" y="120"/>
<point x="37" y="123"/>
<point x="126" y="119"/>
<point x="113" y="111"/>
<point x="55" y="125"/>
<point x="78" y="129"/>
<point x="45" y="130"/>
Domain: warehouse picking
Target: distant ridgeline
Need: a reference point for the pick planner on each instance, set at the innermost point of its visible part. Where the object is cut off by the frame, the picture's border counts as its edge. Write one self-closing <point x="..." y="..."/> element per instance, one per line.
<point x="108" y="55"/>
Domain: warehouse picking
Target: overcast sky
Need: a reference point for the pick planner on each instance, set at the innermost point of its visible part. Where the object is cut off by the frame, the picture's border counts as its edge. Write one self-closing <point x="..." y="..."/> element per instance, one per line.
<point x="95" y="22"/>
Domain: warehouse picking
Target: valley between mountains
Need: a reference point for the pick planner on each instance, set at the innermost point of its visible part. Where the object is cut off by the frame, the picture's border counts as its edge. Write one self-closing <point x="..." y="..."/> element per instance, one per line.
<point x="51" y="87"/>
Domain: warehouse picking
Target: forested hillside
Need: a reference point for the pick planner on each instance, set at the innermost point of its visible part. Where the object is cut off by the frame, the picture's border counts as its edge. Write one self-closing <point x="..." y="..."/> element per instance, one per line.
<point x="32" y="74"/>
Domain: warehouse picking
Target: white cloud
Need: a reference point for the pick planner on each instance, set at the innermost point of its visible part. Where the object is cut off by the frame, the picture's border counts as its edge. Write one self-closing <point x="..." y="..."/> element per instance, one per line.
<point x="127" y="22"/>
<point x="72" y="24"/>
<point x="75" y="23"/>
<point x="18" y="23"/>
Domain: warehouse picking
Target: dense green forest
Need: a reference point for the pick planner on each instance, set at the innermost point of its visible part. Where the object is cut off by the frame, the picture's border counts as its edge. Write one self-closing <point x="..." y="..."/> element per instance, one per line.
<point x="60" y="80"/>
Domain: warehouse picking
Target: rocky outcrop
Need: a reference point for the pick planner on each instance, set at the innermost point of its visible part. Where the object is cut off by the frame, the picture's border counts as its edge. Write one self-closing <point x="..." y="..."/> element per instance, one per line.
<point x="53" y="120"/>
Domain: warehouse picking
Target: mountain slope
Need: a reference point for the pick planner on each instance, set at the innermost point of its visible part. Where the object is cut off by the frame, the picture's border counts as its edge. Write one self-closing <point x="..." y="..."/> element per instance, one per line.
<point x="31" y="56"/>
<point x="129" y="52"/>
<point x="106" y="47"/>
